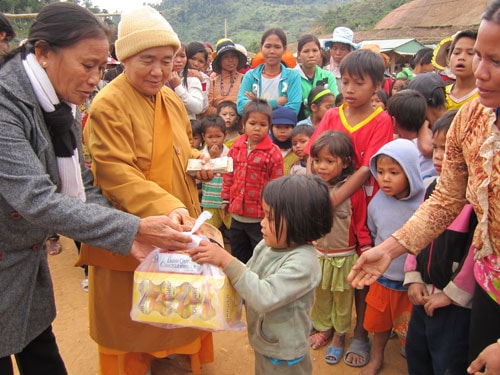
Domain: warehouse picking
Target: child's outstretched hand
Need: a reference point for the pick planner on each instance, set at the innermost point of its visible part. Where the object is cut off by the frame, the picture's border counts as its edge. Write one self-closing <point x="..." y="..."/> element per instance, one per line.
<point x="208" y="252"/>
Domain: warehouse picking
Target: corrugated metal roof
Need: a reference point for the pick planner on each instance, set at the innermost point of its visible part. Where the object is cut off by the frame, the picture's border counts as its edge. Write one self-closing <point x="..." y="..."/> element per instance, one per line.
<point x="400" y="46"/>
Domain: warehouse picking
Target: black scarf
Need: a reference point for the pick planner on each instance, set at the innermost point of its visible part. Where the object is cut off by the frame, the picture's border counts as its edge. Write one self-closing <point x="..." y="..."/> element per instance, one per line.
<point x="59" y="123"/>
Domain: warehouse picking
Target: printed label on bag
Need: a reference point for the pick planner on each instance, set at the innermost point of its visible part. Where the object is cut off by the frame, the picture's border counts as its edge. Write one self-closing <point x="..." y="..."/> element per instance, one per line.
<point x="178" y="263"/>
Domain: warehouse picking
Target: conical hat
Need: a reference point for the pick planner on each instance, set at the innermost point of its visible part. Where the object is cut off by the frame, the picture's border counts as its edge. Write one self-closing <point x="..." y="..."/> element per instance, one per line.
<point x="441" y="52"/>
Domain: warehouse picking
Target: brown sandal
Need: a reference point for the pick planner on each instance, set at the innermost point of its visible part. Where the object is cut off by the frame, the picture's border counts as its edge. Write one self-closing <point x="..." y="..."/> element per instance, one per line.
<point x="319" y="339"/>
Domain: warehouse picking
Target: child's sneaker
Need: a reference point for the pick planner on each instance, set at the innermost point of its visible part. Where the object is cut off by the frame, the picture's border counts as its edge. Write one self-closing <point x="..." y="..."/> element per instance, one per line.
<point x="85" y="285"/>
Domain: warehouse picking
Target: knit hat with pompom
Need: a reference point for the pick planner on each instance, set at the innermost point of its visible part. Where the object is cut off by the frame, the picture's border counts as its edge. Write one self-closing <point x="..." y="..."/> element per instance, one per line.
<point x="141" y="29"/>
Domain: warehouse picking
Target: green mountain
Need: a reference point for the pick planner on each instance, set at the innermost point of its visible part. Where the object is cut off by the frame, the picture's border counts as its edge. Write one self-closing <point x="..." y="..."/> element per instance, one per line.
<point x="244" y="22"/>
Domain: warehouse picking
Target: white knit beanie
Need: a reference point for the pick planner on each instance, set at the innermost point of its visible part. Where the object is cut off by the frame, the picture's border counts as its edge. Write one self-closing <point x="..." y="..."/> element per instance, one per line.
<point x="141" y="29"/>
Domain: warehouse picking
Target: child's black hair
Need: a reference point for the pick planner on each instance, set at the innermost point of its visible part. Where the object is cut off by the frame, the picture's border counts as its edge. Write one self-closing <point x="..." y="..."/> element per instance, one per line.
<point x="443" y="123"/>
<point x="364" y="62"/>
<point x="228" y="103"/>
<point x="302" y="129"/>
<point x="317" y="95"/>
<point x="289" y="195"/>
<point x="461" y="34"/>
<point x="382" y="95"/>
<point x="339" y="99"/>
<point x="196" y="127"/>
<point x="260" y="106"/>
<point x="409" y="108"/>
<point x="399" y="79"/>
<point x="213" y="121"/>
<point x="422" y="57"/>
<point x="338" y="144"/>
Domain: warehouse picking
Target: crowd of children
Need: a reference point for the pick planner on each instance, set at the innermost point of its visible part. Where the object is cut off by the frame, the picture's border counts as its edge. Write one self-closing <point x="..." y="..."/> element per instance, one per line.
<point x="326" y="164"/>
<point x="374" y="149"/>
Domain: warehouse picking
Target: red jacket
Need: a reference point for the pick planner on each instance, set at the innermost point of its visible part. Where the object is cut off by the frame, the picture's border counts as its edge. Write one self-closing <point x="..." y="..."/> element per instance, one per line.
<point x="243" y="187"/>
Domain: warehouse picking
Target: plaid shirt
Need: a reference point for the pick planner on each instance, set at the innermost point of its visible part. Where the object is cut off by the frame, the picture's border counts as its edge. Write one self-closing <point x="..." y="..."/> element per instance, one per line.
<point x="252" y="170"/>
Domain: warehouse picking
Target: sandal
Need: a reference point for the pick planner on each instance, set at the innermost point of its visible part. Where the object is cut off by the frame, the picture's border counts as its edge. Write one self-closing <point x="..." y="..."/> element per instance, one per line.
<point x="360" y="348"/>
<point x="333" y="355"/>
<point x="320" y="339"/>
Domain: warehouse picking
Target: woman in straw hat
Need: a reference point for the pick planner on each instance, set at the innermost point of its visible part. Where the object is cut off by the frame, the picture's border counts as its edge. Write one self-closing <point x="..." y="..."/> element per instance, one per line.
<point x="138" y="135"/>
<point x="45" y="187"/>
<point x="227" y="62"/>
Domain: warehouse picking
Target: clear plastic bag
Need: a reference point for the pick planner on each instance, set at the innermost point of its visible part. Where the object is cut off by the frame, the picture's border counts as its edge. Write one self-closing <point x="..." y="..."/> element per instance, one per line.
<point x="172" y="291"/>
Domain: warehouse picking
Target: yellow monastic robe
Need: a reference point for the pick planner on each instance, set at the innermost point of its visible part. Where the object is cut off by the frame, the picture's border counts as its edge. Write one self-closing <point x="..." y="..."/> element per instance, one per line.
<point x="139" y="147"/>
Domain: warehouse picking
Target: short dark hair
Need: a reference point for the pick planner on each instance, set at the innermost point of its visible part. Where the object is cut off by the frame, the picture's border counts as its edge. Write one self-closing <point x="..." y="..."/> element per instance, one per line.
<point x="339" y="99"/>
<point x="213" y="121"/>
<point x="461" y="34"/>
<point x="364" y="62"/>
<point x="443" y="123"/>
<point x="307" y="38"/>
<point x="409" y="108"/>
<point x="492" y="13"/>
<point x="382" y="95"/>
<point x="231" y="104"/>
<point x="274" y="31"/>
<point x="289" y="195"/>
<point x="422" y="57"/>
<point x="315" y="91"/>
<point x="338" y="143"/>
<point x="196" y="127"/>
<point x="302" y="129"/>
<point x="399" y="79"/>
<point x="227" y="103"/>
<point x="196" y="47"/>
<point x="257" y="105"/>
<point x="6" y="27"/>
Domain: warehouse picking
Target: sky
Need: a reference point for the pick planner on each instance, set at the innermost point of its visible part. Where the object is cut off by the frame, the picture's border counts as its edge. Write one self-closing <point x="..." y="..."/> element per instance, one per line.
<point x="121" y="5"/>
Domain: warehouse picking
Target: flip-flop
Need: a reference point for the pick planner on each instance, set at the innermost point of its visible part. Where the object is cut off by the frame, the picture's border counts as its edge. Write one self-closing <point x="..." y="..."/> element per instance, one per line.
<point x="333" y="355"/>
<point x="361" y="348"/>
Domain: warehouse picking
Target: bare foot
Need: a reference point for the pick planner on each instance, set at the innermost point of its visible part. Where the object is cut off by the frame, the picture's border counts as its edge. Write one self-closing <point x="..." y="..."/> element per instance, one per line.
<point x="372" y="368"/>
<point x="354" y="359"/>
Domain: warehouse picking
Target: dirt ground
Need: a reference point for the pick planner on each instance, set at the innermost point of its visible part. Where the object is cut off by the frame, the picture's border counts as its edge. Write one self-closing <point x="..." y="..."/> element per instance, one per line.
<point x="233" y="355"/>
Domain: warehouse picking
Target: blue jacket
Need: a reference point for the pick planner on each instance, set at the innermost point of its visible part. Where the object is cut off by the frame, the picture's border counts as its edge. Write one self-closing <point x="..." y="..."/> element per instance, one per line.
<point x="289" y="86"/>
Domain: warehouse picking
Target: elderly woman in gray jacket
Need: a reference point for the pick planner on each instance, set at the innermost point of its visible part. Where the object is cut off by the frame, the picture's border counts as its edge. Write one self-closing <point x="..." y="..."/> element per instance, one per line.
<point x="44" y="186"/>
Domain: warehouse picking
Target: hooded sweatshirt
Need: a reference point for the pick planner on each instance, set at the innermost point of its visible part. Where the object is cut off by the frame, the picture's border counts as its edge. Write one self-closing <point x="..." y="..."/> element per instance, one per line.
<point x="387" y="214"/>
